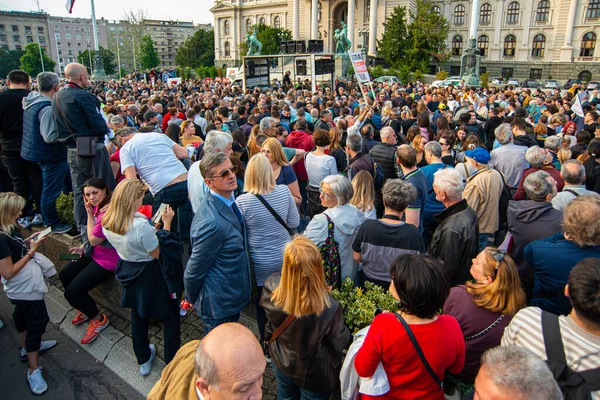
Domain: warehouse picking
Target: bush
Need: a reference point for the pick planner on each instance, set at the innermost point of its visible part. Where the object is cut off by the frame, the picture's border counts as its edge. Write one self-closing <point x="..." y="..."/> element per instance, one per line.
<point x="64" y="208"/>
<point x="419" y="75"/>
<point x="441" y="75"/>
<point x="404" y="74"/>
<point x="484" y="79"/>
<point x="377" y="71"/>
<point x="359" y="305"/>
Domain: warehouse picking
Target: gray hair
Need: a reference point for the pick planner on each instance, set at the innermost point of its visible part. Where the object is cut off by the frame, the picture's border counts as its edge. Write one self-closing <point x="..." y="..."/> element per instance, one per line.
<point x="47" y="81"/>
<point x="210" y="161"/>
<point x="537" y="187"/>
<point x="535" y="156"/>
<point x="354" y="141"/>
<point x="117" y="119"/>
<point x="552" y="142"/>
<point x="341" y="186"/>
<point x="434" y="148"/>
<point x="449" y="181"/>
<point x="573" y="175"/>
<point x="386" y="132"/>
<point x="217" y="141"/>
<point x="518" y="371"/>
<point x="398" y="194"/>
<point x="205" y="366"/>
<point x="267" y="123"/>
<point x="503" y="133"/>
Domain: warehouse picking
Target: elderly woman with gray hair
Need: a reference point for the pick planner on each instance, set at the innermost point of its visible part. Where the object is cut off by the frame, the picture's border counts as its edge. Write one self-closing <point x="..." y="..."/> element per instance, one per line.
<point x="336" y="193"/>
<point x="540" y="160"/>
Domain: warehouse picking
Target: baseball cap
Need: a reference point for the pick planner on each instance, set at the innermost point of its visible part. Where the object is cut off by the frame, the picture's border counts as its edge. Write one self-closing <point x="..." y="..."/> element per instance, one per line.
<point x="442" y="106"/>
<point x="481" y="155"/>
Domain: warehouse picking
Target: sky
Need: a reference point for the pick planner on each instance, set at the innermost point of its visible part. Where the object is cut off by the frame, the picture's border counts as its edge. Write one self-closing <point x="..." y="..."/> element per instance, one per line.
<point x="185" y="10"/>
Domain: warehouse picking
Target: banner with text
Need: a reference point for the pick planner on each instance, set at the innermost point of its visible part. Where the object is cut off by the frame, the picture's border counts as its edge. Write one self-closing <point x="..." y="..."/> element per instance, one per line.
<point x="360" y="67"/>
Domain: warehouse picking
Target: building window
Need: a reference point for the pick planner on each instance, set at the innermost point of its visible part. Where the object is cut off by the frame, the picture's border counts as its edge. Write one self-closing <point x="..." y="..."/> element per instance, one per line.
<point x="320" y="10"/>
<point x="455" y="70"/>
<point x="69" y="44"/>
<point x="226" y="27"/>
<point x="277" y="23"/>
<point x="57" y="35"/>
<point x="262" y="21"/>
<point x="42" y="40"/>
<point x="16" y="38"/>
<point x="593" y="9"/>
<point x="40" y="29"/>
<point x="227" y="49"/>
<point x="29" y="39"/>
<point x="68" y="36"/>
<point x="78" y="37"/>
<point x="78" y="44"/>
<point x="507" y="73"/>
<point x="2" y="28"/>
<point x="436" y="10"/>
<point x="543" y="11"/>
<point x="512" y="14"/>
<point x="28" y="30"/>
<point x="457" y="45"/>
<point x="485" y="13"/>
<point x="482" y="70"/>
<point x="483" y="43"/>
<point x="18" y="47"/>
<point x="58" y="44"/>
<point x="15" y="28"/>
<point x="535" y="73"/>
<point x="59" y="52"/>
<point x="67" y="28"/>
<point x="539" y="42"/>
<point x="248" y="25"/>
<point x="5" y="47"/>
<point x="588" y="44"/>
<point x="459" y="15"/>
<point x="367" y="10"/>
<point x="510" y="42"/>
<point x="3" y="38"/>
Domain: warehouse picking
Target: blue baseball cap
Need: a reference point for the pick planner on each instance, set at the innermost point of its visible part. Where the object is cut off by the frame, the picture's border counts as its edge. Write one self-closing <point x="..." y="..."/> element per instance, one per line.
<point x="481" y="155"/>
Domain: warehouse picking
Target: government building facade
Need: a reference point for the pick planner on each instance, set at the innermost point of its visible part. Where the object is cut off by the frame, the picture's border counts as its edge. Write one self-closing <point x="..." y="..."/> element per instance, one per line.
<point x="522" y="38"/>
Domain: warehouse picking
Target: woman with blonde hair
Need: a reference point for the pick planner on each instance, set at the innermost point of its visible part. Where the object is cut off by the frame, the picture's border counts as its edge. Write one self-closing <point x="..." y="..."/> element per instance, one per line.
<point x="144" y="288"/>
<point x="283" y="172"/>
<point x="417" y="141"/>
<point x="313" y="335"/>
<point x="270" y="212"/>
<point x="188" y="134"/>
<point x="253" y="147"/>
<point x="364" y="194"/>
<point x="483" y="308"/>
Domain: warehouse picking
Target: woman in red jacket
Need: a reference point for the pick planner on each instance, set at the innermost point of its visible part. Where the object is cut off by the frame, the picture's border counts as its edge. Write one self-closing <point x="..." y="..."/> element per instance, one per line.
<point x="420" y="284"/>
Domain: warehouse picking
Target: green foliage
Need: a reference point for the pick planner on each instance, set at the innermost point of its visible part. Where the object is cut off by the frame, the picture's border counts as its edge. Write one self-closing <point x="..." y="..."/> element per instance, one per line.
<point x="404" y="73"/>
<point x="64" y="208"/>
<point x="418" y="75"/>
<point x="30" y="60"/>
<point x="441" y="75"/>
<point x="270" y="38"/>
<point x="9" y="60"/>
<point x="198" y="50"/>
<point x="220" y="72"/>
<point x="149" y="55"/>
<point x="377" y="71"/>
<point x="359" y="305"/>
<point x="484" y="79"/>
<point x="108" y="60"/>
<point x="206" y="71"/>
<point x="395" y="42"/>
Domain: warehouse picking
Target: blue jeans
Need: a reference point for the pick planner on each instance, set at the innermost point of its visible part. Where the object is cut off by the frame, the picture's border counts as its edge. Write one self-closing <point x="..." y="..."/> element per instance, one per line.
<point x="53" y="178"/>
<point x="176" y="196"/>
<point x="484" y="240"/>
<point x="288" y="390"/>
<point x="212" y="323"/>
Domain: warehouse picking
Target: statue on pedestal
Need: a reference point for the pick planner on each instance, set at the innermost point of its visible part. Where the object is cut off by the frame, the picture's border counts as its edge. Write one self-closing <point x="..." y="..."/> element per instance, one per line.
<point x="342" y="45"/>
<point x="254" y="46"/>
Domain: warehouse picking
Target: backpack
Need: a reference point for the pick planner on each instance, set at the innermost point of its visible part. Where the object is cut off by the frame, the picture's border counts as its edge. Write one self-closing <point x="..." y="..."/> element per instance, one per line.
<point x="573" y="385"/>
<point x="505" y="198"/>
<point x="378" y="175"/>
<point x="232" y="125"/>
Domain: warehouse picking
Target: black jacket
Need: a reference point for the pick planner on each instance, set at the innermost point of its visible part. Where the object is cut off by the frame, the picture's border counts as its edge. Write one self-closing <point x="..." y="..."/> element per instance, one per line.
<point x="489" y="127"/>
<point x="11" y="119"/>
<point x="383" y="154"/>
<point x="81" y="111"/>
<point x="455" y="242"/>
<point x="309" y="351"/>
<point x="525" y="140"/>
<point x="171" y="261"/>
<point x="406" y="124"/>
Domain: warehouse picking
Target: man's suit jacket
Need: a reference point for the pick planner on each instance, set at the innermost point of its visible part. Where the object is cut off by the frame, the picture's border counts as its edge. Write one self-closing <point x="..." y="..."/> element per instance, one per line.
<point x="217" y="276"/>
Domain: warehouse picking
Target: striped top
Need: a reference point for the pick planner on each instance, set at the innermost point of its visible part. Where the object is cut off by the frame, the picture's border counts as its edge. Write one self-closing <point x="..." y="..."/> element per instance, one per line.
<point x="582" y="349"/>
<point x="266" y="237"/>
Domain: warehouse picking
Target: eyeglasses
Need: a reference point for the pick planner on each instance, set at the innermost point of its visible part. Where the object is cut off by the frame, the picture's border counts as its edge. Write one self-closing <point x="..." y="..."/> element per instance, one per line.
<point x="329" y="196"/>
<point x="225" y="173"/>
<point x="499" y="256"/>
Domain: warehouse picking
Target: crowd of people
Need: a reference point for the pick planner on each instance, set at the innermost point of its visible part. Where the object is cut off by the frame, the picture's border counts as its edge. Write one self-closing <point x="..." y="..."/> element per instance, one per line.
<point x="477" y="208"/>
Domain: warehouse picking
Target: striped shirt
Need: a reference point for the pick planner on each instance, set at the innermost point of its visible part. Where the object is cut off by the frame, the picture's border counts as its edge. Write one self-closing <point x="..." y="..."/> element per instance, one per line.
<point x="267" y="237"/>
<point x="582" y="349"/>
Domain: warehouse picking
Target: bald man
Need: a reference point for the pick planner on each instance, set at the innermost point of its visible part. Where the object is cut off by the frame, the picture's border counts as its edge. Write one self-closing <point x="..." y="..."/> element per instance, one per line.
<point x="227" y="364"/>
<point x="76" y="113"/>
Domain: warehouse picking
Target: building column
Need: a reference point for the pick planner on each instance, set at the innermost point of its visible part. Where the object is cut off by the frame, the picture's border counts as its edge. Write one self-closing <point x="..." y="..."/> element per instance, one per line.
<point x="373" y="29"/>
<point x="566" y="51"/>
<point x="235" y="33"/>
<point x="296" y="20"/>
<point x="351" y="35"/>
<point x="217" y="39"/>
<point x="314" y="20"/>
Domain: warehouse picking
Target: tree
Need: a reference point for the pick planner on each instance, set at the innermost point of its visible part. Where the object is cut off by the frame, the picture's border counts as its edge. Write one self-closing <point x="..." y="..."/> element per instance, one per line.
<point x="148" y="52"/>
<point x="270" y="38"/>
<point x="428" y="32"/>
<point x="134" y="22"/>
<point x="108" y="59"/>
<point x="30" y="60"/>
<point x="198" y="50"/>
<point x="9" y="60"/>
<point x="395" y="42"/>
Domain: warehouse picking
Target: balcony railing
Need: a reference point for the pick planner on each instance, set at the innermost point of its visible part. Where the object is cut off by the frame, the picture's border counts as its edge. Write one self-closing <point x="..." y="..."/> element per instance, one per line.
<point x="586" y="59"/>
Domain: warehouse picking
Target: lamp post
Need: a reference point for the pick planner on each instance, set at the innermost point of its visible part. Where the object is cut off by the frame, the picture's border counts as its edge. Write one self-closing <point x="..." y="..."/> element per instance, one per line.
<point x="118" y="53"/>
<point x="364" y="34"/>
<point x="90" y="57"/>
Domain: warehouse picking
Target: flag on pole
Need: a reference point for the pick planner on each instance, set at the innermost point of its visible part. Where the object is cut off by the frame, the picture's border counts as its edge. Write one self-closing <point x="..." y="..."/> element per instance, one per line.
<point x="69" y="5"/>
<point x="577" y="107"/>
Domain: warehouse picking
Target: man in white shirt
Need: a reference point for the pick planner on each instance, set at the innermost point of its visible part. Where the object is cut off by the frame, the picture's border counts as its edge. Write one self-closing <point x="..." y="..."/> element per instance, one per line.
<point x="573" y="173"/>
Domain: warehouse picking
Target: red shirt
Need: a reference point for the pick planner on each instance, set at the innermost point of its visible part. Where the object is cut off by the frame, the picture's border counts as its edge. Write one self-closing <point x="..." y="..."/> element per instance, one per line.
<point x="304" y="141"/>
<point x="387" y="342"/>
<point x="168" y="117"/>
<point x="116" y="157"/>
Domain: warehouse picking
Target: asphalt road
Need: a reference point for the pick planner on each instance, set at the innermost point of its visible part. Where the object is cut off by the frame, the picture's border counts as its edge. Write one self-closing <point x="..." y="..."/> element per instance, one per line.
<point x="71" y="373"/>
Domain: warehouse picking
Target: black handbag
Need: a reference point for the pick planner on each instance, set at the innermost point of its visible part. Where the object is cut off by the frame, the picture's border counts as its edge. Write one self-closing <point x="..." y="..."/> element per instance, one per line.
<point x="85" y="146"/>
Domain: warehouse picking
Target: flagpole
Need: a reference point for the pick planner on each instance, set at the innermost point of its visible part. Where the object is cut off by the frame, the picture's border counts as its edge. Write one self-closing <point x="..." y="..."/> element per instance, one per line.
<point x="99" y="70"/>
<point x="39" y="45"/>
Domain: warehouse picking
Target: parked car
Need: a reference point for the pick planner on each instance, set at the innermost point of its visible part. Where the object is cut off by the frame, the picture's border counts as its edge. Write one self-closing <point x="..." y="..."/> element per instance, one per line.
<point x="453" y="82"/>
<point x="531" y="83"/>
<point x="513" y="81"/>
<point x="572" y="82"/>
<point x="592" y="85"/>
<point x="551" y="84"/>
<point x="388" y="79"/>
<point x="498" y="80"/>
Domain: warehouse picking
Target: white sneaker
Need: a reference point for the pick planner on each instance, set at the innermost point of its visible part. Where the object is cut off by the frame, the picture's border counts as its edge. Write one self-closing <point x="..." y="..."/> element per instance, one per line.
<point x="146" y="367"/>
<point x="37" y="220"/>
<point x="44" y="345"/>
<point x="37" y="383"/>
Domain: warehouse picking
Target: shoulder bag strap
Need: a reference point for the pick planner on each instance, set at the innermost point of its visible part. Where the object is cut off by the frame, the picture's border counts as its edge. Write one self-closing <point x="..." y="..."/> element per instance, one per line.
<point x="413" y="339"/>
<point x="486" y="330"/>
<point x="62" y="115"/>
<point x="281" y="328"/>
<point x="274" y="213"/>
<point x="574" y="193"/>
<point x="555" y="350"/>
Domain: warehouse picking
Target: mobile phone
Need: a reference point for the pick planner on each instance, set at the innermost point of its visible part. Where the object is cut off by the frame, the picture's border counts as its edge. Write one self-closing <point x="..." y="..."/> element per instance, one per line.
<point x="156" y="218"/>
<point x="43" y="233"/>
<point x="69" y="257"/>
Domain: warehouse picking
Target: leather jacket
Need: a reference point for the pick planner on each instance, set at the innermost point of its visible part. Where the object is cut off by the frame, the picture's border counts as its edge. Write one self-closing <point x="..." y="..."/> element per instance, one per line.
<point x="309" y="351"/>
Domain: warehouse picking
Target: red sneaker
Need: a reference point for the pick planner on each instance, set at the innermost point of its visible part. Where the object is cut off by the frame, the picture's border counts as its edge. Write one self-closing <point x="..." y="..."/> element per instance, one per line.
<point x="80" y="318"/>
<point x="94" y="329"/>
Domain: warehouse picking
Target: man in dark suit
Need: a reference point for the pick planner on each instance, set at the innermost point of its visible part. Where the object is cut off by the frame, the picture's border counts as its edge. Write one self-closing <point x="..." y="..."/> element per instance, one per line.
<point x="217" y="277"/>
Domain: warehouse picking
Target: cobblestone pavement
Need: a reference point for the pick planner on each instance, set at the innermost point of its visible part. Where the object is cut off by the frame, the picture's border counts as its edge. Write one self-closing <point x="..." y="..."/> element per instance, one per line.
<point x="192" y="328"/>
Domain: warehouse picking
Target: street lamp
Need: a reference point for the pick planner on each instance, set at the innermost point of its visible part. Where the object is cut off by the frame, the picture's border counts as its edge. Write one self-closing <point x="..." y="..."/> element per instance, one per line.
<point x="364" y="34"/>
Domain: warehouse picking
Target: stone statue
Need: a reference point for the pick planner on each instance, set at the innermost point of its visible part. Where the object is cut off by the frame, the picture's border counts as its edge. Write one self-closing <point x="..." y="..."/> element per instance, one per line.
<point x="342" y="43"/>
<point x="254" y="46"/>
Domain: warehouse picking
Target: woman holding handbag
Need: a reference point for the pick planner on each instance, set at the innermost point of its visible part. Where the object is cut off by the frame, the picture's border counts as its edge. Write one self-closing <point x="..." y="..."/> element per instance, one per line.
<point x="305" y="325"/>
<point x="270" y="214"/>
<point x="24" y="285"/>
